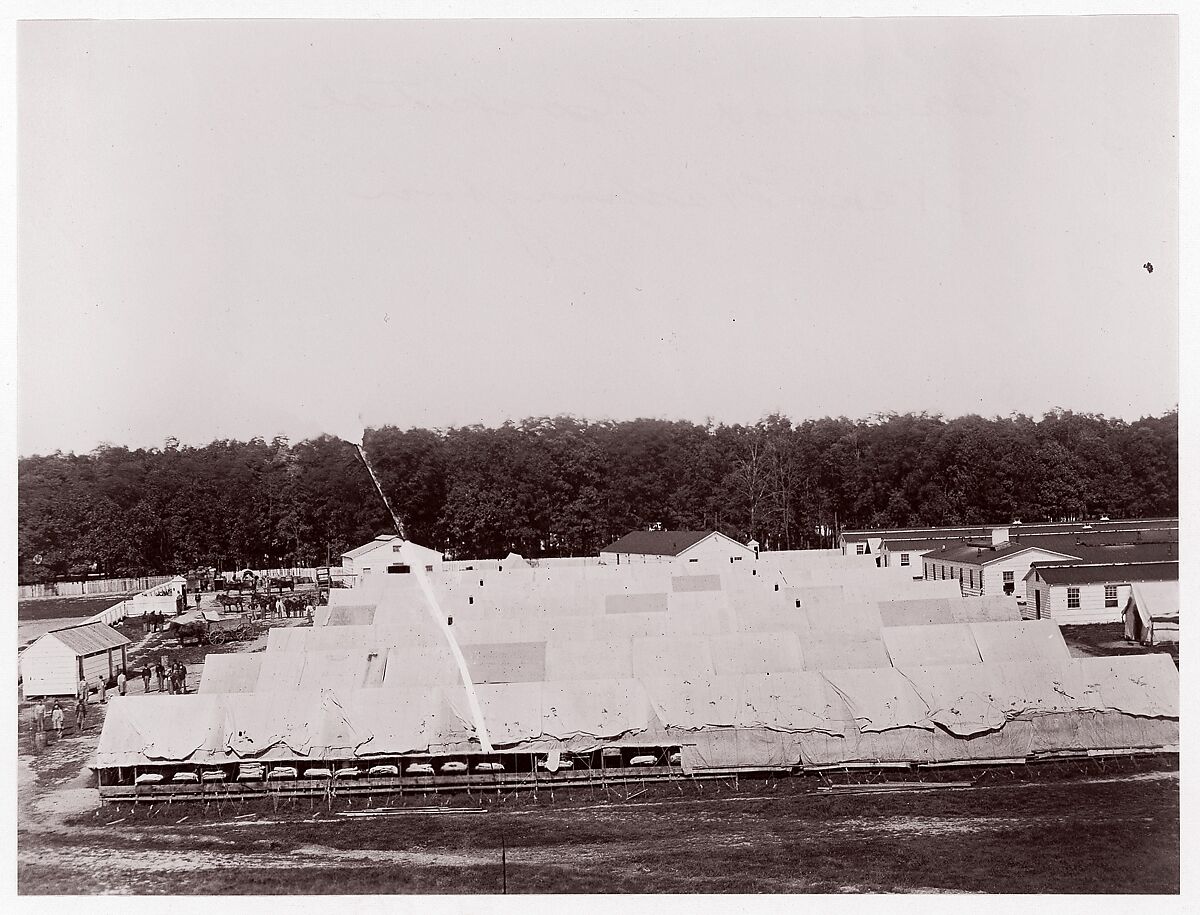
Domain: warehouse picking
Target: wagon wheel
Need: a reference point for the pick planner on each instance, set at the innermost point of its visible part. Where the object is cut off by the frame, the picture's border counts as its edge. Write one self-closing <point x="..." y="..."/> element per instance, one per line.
<point x="217" y="636"/>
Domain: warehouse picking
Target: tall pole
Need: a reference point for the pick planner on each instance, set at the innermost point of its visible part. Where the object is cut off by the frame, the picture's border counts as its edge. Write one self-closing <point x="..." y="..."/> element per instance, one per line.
<point x="362" y="453"/>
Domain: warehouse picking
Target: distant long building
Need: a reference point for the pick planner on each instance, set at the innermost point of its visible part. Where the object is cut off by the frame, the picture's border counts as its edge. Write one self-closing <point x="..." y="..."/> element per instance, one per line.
<point x="998" y="559"/>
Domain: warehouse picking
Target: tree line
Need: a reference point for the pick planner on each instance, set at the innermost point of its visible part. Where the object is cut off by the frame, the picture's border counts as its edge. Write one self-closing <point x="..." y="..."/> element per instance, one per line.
<point x="564" y="486"/>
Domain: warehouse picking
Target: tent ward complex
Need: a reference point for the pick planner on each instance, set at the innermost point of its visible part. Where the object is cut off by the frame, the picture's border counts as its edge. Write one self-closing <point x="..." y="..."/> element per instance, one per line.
<point x="503" y="672"/>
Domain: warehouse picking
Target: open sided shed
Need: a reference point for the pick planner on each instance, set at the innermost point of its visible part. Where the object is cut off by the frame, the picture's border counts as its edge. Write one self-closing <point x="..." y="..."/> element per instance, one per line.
<point x="55" y="663"/>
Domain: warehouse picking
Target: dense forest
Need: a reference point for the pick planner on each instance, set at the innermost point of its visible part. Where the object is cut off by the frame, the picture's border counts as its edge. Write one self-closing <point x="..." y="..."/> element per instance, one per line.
<point x="562" y="486"/>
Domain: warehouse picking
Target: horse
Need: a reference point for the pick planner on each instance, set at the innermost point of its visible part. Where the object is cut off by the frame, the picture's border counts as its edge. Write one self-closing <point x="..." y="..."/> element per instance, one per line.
<point x="187" y="632"/>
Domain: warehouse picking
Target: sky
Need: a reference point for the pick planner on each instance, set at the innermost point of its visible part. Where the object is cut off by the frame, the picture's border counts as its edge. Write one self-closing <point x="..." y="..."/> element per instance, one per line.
<point x="231" y="229"/>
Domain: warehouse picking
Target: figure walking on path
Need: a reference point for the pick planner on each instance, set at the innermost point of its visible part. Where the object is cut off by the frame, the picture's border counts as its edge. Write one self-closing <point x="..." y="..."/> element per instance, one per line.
<point x="56" y="719"/>
<point x="160" y="674"/>
<point x="121" y="681"/>
<point x="145" y="678"/>
<point x="80" y="715"/>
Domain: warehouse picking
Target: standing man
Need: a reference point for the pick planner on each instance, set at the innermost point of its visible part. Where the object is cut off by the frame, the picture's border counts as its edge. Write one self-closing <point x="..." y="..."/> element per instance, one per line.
<point x="82" y="690"/>
<point x="182" y="679"/>
<point x="102" y="688"/>
<point x="80" y="714"/>
<point x="39" y="717"/>
<point x="145" y="678"/>
<point x="160" y="673"/>
<point x="56" y="719"/>
<point x="121" y="682"/>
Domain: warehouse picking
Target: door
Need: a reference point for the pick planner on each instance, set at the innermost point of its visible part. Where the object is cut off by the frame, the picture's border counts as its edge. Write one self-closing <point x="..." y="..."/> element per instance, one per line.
<point x="1037" y="603"/>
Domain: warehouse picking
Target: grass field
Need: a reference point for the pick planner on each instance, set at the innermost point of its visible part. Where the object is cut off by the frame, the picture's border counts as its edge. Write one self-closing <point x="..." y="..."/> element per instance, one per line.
<point x="1109" y="833"/>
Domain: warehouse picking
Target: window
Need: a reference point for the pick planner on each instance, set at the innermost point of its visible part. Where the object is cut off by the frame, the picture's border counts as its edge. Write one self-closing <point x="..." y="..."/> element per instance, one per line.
<point x="365" y="571"/>
<point x="972" y="578"/>
<point x="904" y="559"/>
<point x="1072" y="598"/>
<point x="1009" y="584"/>
<point x="693" y="560"/>
<point x="860" y="548"/>
<point x="1008" y="577"/>
<point x="396" y="548"/>
<point x="1110" y="595"/>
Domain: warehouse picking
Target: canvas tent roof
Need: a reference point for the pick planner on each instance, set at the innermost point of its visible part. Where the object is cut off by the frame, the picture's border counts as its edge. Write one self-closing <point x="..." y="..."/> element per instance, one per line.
<point x="715" y="660"/>
<point x="1155" y="600"/>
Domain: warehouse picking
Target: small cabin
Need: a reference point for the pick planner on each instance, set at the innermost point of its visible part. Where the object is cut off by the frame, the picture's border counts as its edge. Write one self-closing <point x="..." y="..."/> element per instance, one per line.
<point x="55" y="663"/>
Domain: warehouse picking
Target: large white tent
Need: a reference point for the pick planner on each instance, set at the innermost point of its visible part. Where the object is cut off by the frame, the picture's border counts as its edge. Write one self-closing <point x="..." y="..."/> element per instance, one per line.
<point x="787" y="662"/>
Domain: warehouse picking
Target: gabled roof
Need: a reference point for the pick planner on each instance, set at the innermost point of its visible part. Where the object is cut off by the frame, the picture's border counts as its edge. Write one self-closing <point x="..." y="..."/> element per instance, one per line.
<point x="367" y="547"/>
<point x="90" y="638"/>
<point x="981" y="554"/>
<point x="657" y="543"/>
<point x="1095" y="573"/>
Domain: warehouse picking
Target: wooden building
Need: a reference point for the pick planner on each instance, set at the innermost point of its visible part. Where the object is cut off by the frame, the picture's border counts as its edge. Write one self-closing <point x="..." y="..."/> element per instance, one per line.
<point x="55" y="663"/>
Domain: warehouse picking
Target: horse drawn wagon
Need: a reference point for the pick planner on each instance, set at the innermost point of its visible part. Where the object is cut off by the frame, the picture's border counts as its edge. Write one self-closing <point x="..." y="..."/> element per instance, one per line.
<point x="214" y="629"/>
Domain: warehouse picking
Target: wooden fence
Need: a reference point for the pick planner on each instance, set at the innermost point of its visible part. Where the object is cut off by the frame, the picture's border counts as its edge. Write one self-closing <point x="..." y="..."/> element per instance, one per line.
<point x="92" y="586"/>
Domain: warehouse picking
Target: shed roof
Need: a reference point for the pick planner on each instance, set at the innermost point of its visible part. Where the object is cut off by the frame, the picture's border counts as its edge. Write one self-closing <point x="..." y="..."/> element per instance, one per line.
<point x="1105" y="572"/>
<point x="656" y="543"/>
<point x="1123" y="526"/>
<point x="90" y="638"/>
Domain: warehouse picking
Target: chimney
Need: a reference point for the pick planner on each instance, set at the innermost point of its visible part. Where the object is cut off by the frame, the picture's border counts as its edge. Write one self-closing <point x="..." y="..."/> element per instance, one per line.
<point x="999" y="536"/>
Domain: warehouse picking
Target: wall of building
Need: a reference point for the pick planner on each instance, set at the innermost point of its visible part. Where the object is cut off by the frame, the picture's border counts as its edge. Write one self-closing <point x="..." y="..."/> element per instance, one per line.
<point x="916" y="560"/>
<point x="624" y="558"/>
<point x="1092" y="603"/>
<point x="50" y="668"/>
<point x="720" y="549"/>
<point x="978" y="580"/>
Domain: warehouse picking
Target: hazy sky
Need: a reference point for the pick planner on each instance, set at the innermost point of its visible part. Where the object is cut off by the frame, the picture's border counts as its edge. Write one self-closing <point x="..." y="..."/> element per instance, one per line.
<point x="251" y="228"/>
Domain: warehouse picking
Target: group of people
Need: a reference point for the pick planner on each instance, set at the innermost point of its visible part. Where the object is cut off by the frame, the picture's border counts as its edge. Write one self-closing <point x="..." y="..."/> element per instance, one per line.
<point x="154" y="621"/>
<point x="170" y="673"/>
<point x="57" y="716"/>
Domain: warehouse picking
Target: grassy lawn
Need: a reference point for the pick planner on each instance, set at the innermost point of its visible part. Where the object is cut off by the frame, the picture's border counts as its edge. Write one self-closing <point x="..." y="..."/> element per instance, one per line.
<point x="1109" y="639"/>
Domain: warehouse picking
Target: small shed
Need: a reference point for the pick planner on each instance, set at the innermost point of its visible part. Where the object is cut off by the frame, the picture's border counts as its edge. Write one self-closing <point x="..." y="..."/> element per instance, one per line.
<point x="1152" y="612"/>
<point x="55" y="663"/>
